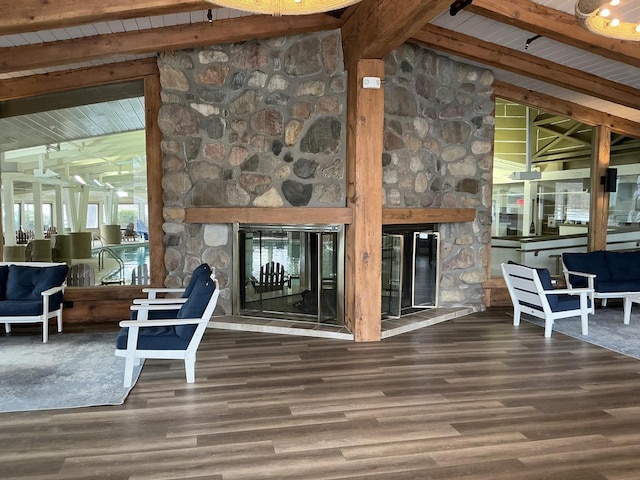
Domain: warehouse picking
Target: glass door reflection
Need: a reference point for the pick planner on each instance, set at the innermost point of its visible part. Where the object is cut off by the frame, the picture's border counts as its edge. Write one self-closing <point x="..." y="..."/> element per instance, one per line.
<point x="289" y="272"/>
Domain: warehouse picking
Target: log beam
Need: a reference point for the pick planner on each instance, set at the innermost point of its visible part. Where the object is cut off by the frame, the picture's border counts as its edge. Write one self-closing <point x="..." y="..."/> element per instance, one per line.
<point x="469" y="47"/>
<point x="363" y="251"/>
<point x="376" y="27"/>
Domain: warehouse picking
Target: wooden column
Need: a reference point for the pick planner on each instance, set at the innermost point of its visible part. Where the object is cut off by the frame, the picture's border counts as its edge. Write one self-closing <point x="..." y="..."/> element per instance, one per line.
<point x="599" y="208"/>
<point x="152" y="104"/>
<point x="365" y="118"/>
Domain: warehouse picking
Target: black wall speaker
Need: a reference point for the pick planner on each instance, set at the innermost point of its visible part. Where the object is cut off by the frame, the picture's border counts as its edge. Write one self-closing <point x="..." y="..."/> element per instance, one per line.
<point x="610" y="179"/>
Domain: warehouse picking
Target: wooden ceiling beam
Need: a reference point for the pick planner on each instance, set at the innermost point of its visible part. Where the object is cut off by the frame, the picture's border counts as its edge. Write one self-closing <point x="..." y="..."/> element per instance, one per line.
<point x="556" y="25"/>
<point x="586" y="115"/>
<point x="65" y="52"/>
<point x="30" y="16"/>
<point x="376" y="27"/>
<point x="33" y="85"/>
<point x="530" y="66"/>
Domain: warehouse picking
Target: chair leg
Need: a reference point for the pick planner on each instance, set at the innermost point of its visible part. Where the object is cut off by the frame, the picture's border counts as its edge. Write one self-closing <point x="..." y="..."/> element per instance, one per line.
<point x="59" y="321"/>
<point x="45" y="330"/>
<point x="516" y="316"/>
<point x="584" y="318"/>
<point x="627" y="310"/>
<point x="548" y="327"/>
<point x="190" y="368"/>
<point x="7" y="328"/>
<point x="128" y="370"/>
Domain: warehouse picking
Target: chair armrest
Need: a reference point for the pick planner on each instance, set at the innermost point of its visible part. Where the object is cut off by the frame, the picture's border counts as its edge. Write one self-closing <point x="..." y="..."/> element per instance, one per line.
<point x="52" y="290"/>
<point x="159" y="301"/>
<point x="568" y="291"/>
<point x="162" y="322"/>
<point x="162" y="306"/>
<point x="581" y="274"/>
<point x="153" y="291"/>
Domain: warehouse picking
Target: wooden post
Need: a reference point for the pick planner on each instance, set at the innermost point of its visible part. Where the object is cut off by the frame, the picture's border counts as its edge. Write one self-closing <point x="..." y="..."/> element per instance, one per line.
<point x="152" y="104"/>
<point x="363" y="268"/>
<point x="599" y="208"/>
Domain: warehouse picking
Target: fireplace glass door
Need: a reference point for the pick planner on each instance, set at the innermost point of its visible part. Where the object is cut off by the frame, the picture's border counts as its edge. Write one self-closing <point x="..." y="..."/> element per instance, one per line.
<point x="292" y="272"/>
<point x="409" y="271"/>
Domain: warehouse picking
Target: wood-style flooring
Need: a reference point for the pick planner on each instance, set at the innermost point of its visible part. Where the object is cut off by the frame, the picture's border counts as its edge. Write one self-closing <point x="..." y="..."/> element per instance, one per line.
<point x="471" y="398"/>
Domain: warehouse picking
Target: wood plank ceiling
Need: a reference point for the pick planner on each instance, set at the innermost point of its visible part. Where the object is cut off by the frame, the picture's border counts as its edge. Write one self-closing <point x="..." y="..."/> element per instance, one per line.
<point x="598" y="76"/>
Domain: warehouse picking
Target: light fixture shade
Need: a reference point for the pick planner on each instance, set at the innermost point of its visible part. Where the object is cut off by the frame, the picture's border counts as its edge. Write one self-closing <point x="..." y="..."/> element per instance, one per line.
<point x="284" y="7"/>
<point x="587" y="14"/>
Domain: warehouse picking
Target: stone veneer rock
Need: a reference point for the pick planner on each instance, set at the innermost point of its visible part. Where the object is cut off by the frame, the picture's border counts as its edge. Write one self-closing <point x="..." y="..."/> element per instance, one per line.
<point x="263" y="124"/>
<point x="438" y="144"/>
<point x="254" y="124"/>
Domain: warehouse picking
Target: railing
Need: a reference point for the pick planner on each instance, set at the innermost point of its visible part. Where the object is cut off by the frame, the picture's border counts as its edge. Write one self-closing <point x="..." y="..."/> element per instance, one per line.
<point x="119" y="270"/>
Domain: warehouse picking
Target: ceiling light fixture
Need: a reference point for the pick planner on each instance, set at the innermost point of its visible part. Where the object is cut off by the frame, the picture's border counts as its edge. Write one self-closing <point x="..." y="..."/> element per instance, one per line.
<point x="210" y="16"/>
<point x="609" y="18"/>
<point x="284" y="7"/>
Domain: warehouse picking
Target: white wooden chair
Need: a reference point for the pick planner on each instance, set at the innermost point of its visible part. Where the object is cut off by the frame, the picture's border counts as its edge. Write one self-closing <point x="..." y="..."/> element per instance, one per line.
<point x="168" y="338"/>
<point x="532" y="293"/>
<point x="140" y="275"/>
<point x="81" y="275"/>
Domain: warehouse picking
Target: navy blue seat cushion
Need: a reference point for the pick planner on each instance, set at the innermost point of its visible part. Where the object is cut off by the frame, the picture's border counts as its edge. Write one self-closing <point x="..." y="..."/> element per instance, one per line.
<point x="195" y="306"/>
<point x="592" y="262"/>
<point x="28" y="283"/>
<point x="23" y="307"/>
<point x="628" y="285"/>
<point x="153" y="338"/>
<point x="623" y="266"/>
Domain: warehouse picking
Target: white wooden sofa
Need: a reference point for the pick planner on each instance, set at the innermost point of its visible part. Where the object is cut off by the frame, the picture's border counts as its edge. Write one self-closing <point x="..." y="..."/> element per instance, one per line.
<point x="32" y="292"/>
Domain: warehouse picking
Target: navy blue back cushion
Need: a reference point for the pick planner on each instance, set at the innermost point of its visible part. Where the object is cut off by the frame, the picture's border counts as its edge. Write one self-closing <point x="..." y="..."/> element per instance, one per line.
<point x="4" y="273"/>
<point x="623" y="266"/>
<point x="195" y="306"/>
<point x="202" y="271"/>
<point x="592" y="262"/>
<point x="28" y="283"/>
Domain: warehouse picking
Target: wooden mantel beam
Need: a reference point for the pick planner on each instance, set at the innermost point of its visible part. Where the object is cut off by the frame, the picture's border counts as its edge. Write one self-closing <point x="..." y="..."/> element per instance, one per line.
<point x="465" y="46"/>
<point x="556" y="25"/>
<point x="376" y="27"/>
<point x="30" y="57"/>
<point x="30" y="16"/>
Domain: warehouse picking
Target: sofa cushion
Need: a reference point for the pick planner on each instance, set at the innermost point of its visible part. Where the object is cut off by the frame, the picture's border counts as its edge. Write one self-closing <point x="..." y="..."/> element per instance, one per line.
<point x="195" y="306"/>
<point x="153" y="338"/>
<point x="624" y="266"/>
<point x="20" y="308"/>
<point x="611" y="286"/>
<point x="564" y="302"/>
<point x="592" y="262"/>
<point x="28" y="283"/>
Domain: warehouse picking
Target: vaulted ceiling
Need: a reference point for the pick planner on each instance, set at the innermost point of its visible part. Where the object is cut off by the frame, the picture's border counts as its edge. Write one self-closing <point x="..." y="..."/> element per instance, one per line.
<point x="535" y="48"/>
<point x="565" y="61"/>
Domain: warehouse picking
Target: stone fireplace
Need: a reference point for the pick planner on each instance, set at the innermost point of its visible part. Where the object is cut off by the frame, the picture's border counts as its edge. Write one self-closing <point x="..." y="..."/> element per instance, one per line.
<point x="262" y="125"/>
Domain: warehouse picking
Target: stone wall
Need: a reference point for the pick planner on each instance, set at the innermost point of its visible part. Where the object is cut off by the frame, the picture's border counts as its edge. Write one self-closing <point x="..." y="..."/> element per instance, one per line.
<point x="254" y="124"/>
<point x="438" y="139"/>
<point x="263" y="124"/>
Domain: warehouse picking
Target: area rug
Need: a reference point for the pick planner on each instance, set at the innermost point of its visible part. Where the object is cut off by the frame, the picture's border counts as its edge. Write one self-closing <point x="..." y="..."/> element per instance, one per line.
<point x="606" y="329"/>
<point x="69" y="371"/>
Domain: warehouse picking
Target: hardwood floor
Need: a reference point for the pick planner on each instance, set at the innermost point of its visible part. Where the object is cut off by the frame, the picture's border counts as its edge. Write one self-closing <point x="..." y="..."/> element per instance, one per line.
<point x="471" y="398"/>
